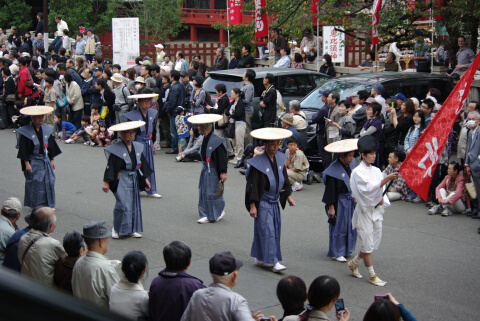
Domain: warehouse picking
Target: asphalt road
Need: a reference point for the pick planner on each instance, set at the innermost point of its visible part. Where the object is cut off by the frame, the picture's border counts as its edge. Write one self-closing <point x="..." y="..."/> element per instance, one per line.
<point x="430" y="262"/>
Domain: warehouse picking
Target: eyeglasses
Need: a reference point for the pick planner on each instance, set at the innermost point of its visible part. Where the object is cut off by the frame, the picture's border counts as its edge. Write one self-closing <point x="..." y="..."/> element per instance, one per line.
<point x="424" y="107"/>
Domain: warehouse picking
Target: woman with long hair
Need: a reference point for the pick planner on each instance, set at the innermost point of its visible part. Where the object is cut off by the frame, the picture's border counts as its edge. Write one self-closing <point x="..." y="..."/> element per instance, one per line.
<point x="327" y="66"/>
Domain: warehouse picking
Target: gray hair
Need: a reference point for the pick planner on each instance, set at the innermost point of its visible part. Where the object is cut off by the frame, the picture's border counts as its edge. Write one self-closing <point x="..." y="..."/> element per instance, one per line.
<point x="42" y="221"/>
<point x="476" y="113"/>
<point x="221" y="278"/>
<point x="221" y="49"/>
<point x="295" y="104"/>
<point x="150" y="81"/>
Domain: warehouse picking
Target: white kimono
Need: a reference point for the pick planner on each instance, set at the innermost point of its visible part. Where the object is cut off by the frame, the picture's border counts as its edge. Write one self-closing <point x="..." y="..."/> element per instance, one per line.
<point x="365" y="184"/>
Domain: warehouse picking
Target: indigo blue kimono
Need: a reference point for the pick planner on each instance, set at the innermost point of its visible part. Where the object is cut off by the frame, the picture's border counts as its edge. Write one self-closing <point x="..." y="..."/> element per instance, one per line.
<point x="144" y="136"/>
<point x="38" y="148"/>
<point x="267" y="183"/>
<point x="342" y="238"/>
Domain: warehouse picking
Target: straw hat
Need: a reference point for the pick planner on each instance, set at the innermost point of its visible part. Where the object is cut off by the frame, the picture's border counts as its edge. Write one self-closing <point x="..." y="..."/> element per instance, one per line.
<point x="127" y="126"/>
<point x="142" y="96"/>
<point x="204" y="119"/>
<point x="36" y="110"/>
<point x="342" y="146"/>
<point x="140" y="79"/>
<point x="117" y="78"/>
<point x="270" y="133"/>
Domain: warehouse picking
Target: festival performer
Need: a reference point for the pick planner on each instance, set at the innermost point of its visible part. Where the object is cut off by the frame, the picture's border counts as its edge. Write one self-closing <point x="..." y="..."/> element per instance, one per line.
<point x="211" y="205"/>
<point x="267" y="183"/>
<point x="338" y="199"/>
<point x="126" y="174"/>
<point x="367" y="184"/>
<point x="144" y="134"/>
<point x="36" y="149"/>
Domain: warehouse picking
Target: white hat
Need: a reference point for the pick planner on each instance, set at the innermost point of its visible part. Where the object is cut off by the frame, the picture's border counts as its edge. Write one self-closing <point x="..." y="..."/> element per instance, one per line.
<point x="25" y="54"/>
<point x="142" y="96"/>
<point x="160" y="46"/>
<point x="204" y="118"/>
<point x="270" y="133"/>
<point x="36" y="110"/>
<point x="140" y="79"/>
<point x="293" y="42"/>
<point x="127" y="126"/>
<point x="342" y="146"/>
<point x="166" y="69"/>
<point x="117" y="77"/>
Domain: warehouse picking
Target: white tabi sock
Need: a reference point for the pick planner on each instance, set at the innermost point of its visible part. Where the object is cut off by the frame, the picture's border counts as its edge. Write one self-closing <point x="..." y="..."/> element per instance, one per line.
<point x="370" y="270"/>
<point x="357" y="259"/>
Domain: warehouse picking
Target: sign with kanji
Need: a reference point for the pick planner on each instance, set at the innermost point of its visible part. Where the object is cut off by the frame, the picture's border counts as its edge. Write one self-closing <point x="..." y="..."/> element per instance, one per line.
<point x="235" y="12"/>
<point x="126" y="41"/>
<point x="334" y="43"/>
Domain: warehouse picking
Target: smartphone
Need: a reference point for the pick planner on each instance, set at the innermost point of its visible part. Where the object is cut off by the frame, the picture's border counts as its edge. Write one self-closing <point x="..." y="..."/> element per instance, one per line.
<point x="329" y="120"/>
<point x="339" y="306"/>
<point x="381" y="296"/>
<point x="265" y="319"/>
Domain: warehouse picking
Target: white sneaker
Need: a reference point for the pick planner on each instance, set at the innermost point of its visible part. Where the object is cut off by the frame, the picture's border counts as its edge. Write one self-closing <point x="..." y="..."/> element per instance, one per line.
<point x="354" y="268"/>
<point x="92" y="144"/>
<point x="135" y="235"/>
<point x="375" y="280"/>
<point x="339" y="259"/>
<point x="86" y="143"/>
<point x="203" y="220"/>
<point x="154" y="195"/>
<point x="294" y="187"/>
<point x="437" y="209"/>
<point x="69" y="141"/>
<point x="278" y="267"/>
<point x="114" y="234"/>
<point x="299" y="186"/>
<point x="258" y="262"/>
<point x="178" y="158"/>
<point x="220" y="217"/>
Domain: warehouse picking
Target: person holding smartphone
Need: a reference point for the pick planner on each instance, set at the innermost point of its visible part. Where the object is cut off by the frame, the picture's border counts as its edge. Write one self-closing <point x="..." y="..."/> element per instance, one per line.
<point x="387" y="305"/>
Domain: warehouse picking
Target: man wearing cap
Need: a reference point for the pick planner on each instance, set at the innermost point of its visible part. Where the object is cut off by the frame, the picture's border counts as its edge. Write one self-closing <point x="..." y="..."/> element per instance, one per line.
<point x="144" y="134"/>
<point x="107" y="64"/>
<point x="37" y="149"/>
<point x="309" y="44"/>
<point x="126" y="174"/>
<point x="218" y="302"/>
<point x="11" y="260"/>
<point x="267" y="183"/>
<point x="292" y="44"/>
<point x="93" y="275"/>
<point x="287" y="123"/>
<point x="367" y="183"/>
<point x="139" y="84"/>
<point x="422" y="52"/>
<point x="37" y="251"/>
<point x="122" y="103"/>
<point x="213" y="152"/>
<point x="160" y="54"/>
<point x="221" y="62"/>
<point x="339" y="202"/>
<point x="377" y="91"/>
<point x="399" y="97"/>
<point x="9" y="216"/>
<point x="319" y="119"/>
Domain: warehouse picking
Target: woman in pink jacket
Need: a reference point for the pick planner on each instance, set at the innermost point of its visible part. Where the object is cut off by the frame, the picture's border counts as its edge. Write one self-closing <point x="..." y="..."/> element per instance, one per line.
<point x="450" y="192"/>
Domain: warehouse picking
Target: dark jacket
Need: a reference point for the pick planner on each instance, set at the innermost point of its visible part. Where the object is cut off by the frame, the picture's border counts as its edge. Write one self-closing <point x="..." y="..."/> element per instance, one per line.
<point x="11" y="260"/>
<point x="269" y="113"/>
<point x="360" y="118"/>
<point x="75" y="76"/>
<point x="62" y="273"/>
<point x="87" y="95"/>
<point x="319" y="119"/>
<point x="223" y="103"/>
<point x="176" y="98"/>
<point x="239" y="114"/>
<point x="328" y="70"/>
<point x="9" y="89"/>
<point x="170" y="293"/>
<point x="39" y="28"/>
<point x="221" y="63"/>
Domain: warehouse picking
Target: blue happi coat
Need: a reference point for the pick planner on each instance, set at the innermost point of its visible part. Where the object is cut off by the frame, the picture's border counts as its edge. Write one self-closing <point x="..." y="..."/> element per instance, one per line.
<point x="209" y="205"/>
<point x="267" y="226"/>
<point x="127" y="214"/>
<point x="342" y="238"/>
<point x="40" y="183"/>
<point x="145" y="137"/>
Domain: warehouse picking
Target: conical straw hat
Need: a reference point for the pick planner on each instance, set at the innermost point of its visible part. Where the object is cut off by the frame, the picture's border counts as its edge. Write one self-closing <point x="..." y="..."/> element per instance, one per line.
<point x="271" y="133"/>
<point x="342" y="146"/>
<point x="204" y="118"/>
<point x="36" y="110"/>
<point x="127" y="126"/>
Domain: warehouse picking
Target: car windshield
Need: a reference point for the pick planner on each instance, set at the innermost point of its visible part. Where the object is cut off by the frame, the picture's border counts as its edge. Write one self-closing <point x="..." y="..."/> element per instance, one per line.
<point x="229" y="81"/>
<point x="345" y="89"/>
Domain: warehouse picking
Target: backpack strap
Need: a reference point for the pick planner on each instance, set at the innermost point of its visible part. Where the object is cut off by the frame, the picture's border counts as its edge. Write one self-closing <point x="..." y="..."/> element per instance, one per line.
<point x="30" y="246"/>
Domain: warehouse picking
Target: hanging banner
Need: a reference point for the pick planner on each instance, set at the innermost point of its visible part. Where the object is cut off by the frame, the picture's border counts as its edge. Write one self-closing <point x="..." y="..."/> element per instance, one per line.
<point x="235" y="8"/>
<point x="377" y="5"/>
<point x="334" y="43"/>
<point x="261" y="22"/>
<point x="314" y="4"/>
<point x="126" y="41"/>
<point x="420" y="164"/>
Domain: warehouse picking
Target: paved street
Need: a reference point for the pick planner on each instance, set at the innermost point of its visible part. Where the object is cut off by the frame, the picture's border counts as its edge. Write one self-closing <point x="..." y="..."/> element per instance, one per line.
<point x="430" y="262"/>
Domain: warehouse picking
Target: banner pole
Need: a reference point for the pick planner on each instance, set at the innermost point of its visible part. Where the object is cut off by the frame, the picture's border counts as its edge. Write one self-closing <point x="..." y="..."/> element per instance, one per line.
<point x="228" y="26"/>
<point x="376" y="58"/>
<point x="318" y="43"/>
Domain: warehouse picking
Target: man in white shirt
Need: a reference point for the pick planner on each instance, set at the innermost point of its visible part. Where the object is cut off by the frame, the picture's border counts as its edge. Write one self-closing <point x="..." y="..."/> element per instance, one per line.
<point x="61" y="25"/>
<point x="284" y="61"/>
<point x="377" y="91"/>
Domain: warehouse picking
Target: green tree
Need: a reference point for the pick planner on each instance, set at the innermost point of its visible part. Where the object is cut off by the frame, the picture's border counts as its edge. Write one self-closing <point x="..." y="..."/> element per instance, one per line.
<point x="158" y="19"/>
<point x="15" y="13"/>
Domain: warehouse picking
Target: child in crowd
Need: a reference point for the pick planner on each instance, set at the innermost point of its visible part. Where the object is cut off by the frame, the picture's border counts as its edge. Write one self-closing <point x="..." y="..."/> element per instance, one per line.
<point x="63" y="129"/>
<point x="92" y="131"/>
<point x="81" y="132"/>
<point x="103" y="137"/>
<point x="49" y="99"/>
<point x="190" y="153"/>
<point x="95" y="115"/>
<point x="182" y="128"/>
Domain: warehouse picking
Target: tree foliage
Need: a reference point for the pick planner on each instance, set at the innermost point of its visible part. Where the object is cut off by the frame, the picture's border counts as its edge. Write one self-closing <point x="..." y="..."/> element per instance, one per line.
<point x="95" y="14"/>
<point x="15" y="13"/>
<point x="158" y="19"/>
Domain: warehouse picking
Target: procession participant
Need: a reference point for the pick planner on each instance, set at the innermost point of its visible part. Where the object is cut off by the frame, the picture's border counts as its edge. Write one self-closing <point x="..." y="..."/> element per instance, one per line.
<point x="367" y="184"/>
<point x="211" y="205"/>
<point x="126" y="174"/>
<point x="36" y="149"/>
<point x="338" y="199"/>
<point x="267" y="183"/>
<point x="144" y="134"/>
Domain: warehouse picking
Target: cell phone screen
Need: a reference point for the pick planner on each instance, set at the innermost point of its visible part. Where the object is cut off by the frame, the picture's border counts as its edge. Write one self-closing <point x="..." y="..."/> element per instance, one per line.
<point x="381" y="296"/>
<point x="339" y="306"/>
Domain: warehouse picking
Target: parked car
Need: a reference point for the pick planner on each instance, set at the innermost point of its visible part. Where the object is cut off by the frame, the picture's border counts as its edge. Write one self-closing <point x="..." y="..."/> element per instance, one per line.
<point x="411" y="84"/>
<point x="291" y="83"/>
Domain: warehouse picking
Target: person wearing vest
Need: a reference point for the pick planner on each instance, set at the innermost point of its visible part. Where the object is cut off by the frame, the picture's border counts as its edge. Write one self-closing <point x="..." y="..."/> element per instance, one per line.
<point x="37" y="149"/>
<point x="144" y="134"/>
<point x="267" y="183"/>
<point x="213" y="153"/>
<point x="126" y="174"/>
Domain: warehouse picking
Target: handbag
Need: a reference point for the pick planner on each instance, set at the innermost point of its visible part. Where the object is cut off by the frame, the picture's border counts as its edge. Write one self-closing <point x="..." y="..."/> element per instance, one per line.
<point x="470" y="187"/>
<point x="10" y="98"/>
<point x="62" y="101"/>
<point x="224" y="121"/>
<point x="230" y="131"/>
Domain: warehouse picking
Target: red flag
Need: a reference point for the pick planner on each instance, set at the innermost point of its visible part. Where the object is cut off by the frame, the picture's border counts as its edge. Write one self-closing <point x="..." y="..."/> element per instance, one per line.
<point x="314" y="4"/>
<point x="377" y="5"/>
<point x="420" y="164"/>
<point x="235" y="16"/>
<point x="261" y="22"/>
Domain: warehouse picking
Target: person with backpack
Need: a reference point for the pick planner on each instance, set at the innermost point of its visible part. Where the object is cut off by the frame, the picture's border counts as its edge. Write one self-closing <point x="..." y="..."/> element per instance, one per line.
<point x="122" y="103"/>
<point x="25" y="80"/>
<point x="41" y="58"/>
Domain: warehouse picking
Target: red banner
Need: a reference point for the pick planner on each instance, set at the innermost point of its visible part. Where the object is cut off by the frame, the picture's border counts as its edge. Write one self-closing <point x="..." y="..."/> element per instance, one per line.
<point x="235" y="8"/>
<point x="377" y="5"/>
<point x="420" y="164"/>
<point x="314" y="4"/>
<point x="261" y="22"/>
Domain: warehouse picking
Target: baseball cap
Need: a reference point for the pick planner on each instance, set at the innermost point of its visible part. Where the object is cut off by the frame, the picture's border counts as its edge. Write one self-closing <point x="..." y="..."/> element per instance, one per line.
<point x="160" y="46"/>
<point x="98" y="69"/>
<point x="399" y="96"/>
<point x="107" y="62"/>
<point x="183" y="74"/>
<point x="224" y="263"/>
<point x="12" y="205"/>
<point x="355" y="94"/>
<point x="325" y="92"/>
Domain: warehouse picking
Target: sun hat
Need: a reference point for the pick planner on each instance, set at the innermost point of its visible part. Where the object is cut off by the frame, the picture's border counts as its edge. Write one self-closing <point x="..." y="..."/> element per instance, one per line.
<point x="142" y="96"/>
<point x="204" y="118"/>
<point x="140" y="79"/>
<point x="36" y="110"/>
<point x="117" y="78"/>
<point x="270" y="133"/>
<point x="127" y="126"/>
<point x="342" y="146"/>
<point x="287" y="118"/>
<point x="160" y="46"/>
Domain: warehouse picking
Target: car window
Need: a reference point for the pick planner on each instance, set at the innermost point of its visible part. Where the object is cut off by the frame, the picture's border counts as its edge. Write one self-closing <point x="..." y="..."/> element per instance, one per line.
<point x="345" y="89"/>
<point x="319" y="80"/>
<point x="229" y="81"/>
<point x="259" y="87"/>
<point x="444" y="85"/>
<point x="294" y="85"/>
<point x="415" y="89"/>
